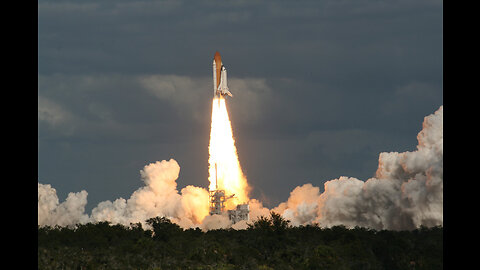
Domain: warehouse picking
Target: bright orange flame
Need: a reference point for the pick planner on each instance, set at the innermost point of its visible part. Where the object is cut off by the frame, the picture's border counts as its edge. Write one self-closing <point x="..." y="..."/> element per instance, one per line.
<point x="223" y="153"/>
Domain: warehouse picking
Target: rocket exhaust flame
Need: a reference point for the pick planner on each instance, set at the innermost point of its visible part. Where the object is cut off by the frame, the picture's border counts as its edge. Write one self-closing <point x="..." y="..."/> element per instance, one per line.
<point x="224" y="170"/>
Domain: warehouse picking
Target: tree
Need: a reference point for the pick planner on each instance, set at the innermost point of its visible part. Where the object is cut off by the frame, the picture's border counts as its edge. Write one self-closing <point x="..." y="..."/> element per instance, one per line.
<point x="275" y="223"/>
<point x="279" y="224"/>
<point x="323" y="257"/>
<point x="163" y="228"/>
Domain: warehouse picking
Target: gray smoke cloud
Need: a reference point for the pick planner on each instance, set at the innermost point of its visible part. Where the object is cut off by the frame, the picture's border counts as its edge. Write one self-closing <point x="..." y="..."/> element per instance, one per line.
<point x="406" y="192"/>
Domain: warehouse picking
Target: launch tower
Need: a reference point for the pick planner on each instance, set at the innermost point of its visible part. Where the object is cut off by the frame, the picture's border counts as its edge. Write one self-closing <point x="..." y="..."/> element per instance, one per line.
<point x="217" y="201"/>
<point x="217" y="204"/>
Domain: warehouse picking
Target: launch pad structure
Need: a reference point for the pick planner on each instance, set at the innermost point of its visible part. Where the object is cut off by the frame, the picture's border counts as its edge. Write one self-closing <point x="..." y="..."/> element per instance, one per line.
<point x="217" y="201"/>
<point x="217" y="204"/>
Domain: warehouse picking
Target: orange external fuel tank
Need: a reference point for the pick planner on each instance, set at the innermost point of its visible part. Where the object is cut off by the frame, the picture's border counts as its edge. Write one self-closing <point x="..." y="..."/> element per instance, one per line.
<point x="218" y="67"/>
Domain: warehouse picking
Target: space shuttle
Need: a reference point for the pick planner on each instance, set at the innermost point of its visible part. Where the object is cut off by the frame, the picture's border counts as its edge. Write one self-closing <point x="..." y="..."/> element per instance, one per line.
<point x="220" y="87"/>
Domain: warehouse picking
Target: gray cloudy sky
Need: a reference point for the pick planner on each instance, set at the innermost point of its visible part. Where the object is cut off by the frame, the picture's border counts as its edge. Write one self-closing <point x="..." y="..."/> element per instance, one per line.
<point x="320" y="88"/>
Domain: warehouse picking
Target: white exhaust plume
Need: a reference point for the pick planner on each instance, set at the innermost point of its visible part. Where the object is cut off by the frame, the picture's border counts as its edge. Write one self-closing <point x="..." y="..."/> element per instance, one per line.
<point x="406" y="192"/>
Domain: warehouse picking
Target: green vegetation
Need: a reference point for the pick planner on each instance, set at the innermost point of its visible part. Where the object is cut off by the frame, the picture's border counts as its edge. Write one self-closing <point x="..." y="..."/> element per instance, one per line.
<point x="268" y="243"/>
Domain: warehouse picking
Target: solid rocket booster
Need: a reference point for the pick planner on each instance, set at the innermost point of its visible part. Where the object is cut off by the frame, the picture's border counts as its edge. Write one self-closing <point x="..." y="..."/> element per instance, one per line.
<point x="220" y="87"/>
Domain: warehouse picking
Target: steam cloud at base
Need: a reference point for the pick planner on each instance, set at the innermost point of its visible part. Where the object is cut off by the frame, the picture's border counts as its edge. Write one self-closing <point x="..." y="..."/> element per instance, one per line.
<point x="406" y="192"/>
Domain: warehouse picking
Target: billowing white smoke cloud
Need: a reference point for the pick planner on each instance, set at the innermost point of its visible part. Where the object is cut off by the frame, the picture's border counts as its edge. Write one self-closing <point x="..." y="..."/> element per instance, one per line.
<point x="51" y="212"/>
<point x="159" y="197"/>
<point x="406" y="192"/>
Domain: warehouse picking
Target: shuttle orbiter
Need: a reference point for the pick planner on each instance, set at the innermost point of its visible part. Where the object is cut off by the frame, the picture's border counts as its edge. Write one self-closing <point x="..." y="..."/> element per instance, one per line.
<point x="220" y="87"/>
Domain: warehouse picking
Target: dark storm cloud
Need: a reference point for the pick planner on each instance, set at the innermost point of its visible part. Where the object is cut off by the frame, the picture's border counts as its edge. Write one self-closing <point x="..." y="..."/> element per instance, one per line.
<point x="174" y="36"/>
<point x="321" y="87"/>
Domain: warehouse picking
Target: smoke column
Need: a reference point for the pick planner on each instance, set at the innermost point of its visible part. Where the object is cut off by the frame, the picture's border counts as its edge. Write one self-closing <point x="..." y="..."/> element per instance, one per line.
<point x="224" y="167"/>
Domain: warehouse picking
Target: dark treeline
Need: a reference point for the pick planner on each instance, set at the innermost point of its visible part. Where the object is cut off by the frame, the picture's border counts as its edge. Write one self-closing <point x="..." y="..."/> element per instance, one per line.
<point x="268" y="243"/>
